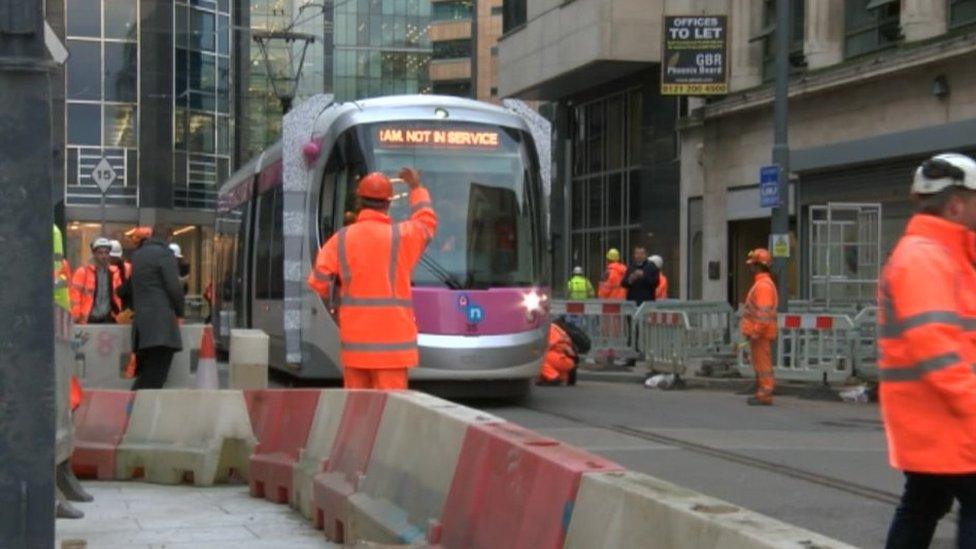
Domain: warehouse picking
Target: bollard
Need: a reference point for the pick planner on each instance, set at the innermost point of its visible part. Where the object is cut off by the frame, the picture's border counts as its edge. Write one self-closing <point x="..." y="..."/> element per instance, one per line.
<point x="249" y="359"/>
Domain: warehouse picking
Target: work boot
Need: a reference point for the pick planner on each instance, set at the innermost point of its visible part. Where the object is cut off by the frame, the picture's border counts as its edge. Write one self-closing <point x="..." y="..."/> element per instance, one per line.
<point x="756" y="401"/>
<point x="67" y="511"/>
<point x="69" y="485"/>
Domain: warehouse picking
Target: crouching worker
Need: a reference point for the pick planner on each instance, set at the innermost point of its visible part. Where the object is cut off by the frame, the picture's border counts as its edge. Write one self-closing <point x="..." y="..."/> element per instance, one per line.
<point x="566" y="344"/>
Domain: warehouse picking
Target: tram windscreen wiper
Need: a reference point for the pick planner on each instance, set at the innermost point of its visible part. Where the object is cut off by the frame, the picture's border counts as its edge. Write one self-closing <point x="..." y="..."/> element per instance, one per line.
<point x="440" y="272"/>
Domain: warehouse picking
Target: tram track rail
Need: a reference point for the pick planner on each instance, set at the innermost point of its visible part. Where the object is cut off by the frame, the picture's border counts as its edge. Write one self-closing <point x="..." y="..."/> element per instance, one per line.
<point x="842" y="485"/>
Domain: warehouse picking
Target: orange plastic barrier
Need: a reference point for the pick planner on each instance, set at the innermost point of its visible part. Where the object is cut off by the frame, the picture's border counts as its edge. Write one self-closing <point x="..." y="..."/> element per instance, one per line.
<point x="513" y="488"/>
<point x="347" y="461"/>
<point x="281" y="419"/>
<point x="100" y="423"/>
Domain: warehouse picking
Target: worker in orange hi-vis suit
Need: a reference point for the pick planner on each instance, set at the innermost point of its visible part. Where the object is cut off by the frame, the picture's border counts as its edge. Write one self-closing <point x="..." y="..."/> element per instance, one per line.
<point x="758" y="325"/>
<point x="370" y="262"/>
<point x="560" y="358"/>
<point x="610" y="284"/>
<point x="926" y="352"/>
<point x="662" y="284"/>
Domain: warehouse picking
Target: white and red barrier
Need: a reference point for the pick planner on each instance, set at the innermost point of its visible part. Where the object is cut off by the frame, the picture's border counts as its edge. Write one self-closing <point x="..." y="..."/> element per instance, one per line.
<point x="408" y="468"/>
<point x="810" y="347"/>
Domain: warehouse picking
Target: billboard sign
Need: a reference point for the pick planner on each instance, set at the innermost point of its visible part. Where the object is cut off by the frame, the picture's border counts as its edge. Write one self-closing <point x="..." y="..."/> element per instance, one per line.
<point x="695" y="55"/>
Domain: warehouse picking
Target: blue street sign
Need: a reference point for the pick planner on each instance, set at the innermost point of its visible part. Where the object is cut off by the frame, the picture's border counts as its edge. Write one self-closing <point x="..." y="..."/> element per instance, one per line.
<point x="769" y="186"/>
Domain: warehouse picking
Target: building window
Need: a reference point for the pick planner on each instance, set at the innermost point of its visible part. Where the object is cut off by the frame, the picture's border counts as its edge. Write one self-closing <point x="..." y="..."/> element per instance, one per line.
<point x="201" y="103"/>
<point x="496" y="10"/>
<point x="494" y="50"/>
<point x="514" y="15"/>
<point x="871" y="25"/>
<point x="459" y="88"/>
<point x="451" y="10"/>
<point x="102" y="100"/>
<point x="768" y="37"/>
<point x="962" y="12"/>
<point x="452" y="49"/>
<point x="606" y="186"/>
<point x="494" y="91"/>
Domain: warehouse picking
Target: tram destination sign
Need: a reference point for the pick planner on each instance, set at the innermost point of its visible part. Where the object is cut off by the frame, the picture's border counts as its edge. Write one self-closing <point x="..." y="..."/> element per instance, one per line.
<point x="440" y="138"/>
<point x="695" y="60"/>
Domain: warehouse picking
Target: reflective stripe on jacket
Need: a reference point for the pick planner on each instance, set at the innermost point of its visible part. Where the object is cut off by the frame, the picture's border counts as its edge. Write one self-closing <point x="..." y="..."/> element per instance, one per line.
<point x="82" y="292"/>
<point x="759" y="310"/>
<point x="662" y="288"/>
<point x="372" y="260"/>
<point x="579" y="288"/>
<point x="611" y="284"/>
<point x="927" y="345"/>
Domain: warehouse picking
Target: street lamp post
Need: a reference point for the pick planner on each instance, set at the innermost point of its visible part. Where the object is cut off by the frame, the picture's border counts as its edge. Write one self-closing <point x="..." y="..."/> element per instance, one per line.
<point x="27" y="383"/>
<point x="284" y="85"/>
<point x="781" y="147"/>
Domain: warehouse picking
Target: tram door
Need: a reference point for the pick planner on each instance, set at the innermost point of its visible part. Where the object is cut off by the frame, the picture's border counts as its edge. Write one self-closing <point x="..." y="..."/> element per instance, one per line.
<point x="845" y="252"/>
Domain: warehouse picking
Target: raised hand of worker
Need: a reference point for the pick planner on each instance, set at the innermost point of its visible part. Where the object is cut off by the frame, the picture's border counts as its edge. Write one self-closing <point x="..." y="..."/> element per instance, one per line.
<point x="410" y="176"/>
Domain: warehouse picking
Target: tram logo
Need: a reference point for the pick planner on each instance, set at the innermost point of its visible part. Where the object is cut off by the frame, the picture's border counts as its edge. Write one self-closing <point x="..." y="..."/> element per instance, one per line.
<point x="473" y="312"/>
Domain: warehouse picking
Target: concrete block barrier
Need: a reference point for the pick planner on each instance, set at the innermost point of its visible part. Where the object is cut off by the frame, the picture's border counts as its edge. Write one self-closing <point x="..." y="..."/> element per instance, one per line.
<point x="410" y="468"/>
<point x="623" y="510"/>
<point x="175" y="432"/>
<point x="312" y="459"/>
<point x="347" y="461"/>
<point x="105" y="349"/>
<point x="248" y="360"/>
<point x="100" y="423"/>
<point x="281" y="420"/>
<point x="513" y="488"/>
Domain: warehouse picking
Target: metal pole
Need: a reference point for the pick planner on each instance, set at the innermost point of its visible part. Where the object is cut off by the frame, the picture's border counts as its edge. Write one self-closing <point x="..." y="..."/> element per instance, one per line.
<point x="781" y="147"/>
<point x="27" y="383"/>
<point x="103" y="214"/>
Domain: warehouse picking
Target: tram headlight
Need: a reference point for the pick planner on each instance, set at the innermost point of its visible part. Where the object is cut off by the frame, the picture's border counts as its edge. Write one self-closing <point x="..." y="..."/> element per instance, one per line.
<point x="533" y="303"/>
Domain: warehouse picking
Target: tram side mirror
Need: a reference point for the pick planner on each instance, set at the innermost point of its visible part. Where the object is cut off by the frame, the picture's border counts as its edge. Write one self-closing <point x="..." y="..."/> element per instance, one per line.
<point x="714" y="270"/>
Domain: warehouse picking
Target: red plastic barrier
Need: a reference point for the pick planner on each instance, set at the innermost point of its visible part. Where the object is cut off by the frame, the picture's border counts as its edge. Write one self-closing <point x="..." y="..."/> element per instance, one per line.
<point x="100" y="423"/>
<point x="347" y="461"/>
<point x="281" y="419"/>
<point x="513" y="488"/>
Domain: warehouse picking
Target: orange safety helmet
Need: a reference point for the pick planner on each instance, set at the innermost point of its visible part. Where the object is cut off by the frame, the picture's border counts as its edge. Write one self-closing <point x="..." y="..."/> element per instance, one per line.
<point x="138" y="234"/>
<point x="375" y="186"/>
<point x="761" y="256"/>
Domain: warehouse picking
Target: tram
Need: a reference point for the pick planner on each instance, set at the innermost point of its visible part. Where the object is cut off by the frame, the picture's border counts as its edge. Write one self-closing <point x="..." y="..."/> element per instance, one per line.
<point x="478" y="291"/>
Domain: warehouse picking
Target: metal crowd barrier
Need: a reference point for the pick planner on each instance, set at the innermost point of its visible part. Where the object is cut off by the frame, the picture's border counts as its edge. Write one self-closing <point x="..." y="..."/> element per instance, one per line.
<point x="809" y="347"/>
<point x="606" y="322"/>
<point x="673" y="332"/>
<point x="866" y="344"/>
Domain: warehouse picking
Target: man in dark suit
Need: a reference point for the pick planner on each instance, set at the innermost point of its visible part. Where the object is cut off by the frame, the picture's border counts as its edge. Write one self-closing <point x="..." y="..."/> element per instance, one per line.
<point x="157" y="301"/>
<point x="641" y="278"/>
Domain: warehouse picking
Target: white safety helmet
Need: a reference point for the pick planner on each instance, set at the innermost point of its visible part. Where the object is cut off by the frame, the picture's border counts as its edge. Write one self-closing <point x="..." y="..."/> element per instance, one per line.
<point x="657" y="261"/>
<point x="176" y="250"/>
<point x="577" y="270"/>
<point x="101" y="242"/>
<point x="943" y="171"/>
<point x="116" y="250"/>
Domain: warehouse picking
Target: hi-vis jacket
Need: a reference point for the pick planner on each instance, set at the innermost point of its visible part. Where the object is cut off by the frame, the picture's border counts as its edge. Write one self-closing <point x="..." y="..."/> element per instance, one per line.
<point x="611" y="285"/>
<point x="759" y="311"/>
<point x="372" y="260"/>
<point x="560" y="356"/>
<point x="82" y="292"/>
<point x="927" y="344"/>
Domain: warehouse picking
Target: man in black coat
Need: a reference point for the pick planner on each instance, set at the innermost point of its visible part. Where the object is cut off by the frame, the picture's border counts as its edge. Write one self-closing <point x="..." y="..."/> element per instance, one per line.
<point x="641" y="278"/>
<point x="157" y="302"/>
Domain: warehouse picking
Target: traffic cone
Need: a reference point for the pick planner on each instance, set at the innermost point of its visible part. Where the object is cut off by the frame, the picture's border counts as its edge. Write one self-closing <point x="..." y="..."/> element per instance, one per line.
<point x="207" y="362"/>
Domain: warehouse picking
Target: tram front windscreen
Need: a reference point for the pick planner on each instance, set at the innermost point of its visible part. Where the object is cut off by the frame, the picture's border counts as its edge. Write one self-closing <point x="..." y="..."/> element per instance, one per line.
<point x="485" y="187"/>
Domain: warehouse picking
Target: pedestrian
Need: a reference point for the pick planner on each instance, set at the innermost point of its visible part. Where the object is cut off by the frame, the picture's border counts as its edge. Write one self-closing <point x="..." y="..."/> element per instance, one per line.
<point x="611" y="283"/>
<point x="927" y="347"/>
<point x="661" y="292"/>
<point x="758" y="324"/>
<point x="93" y="288"/>
<point x="367" y="265"/>
<point x="578" y="288"/>
<point x="641" y="278"/>
<point x="157" y="301"/>
<point x="124" y="269"/>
